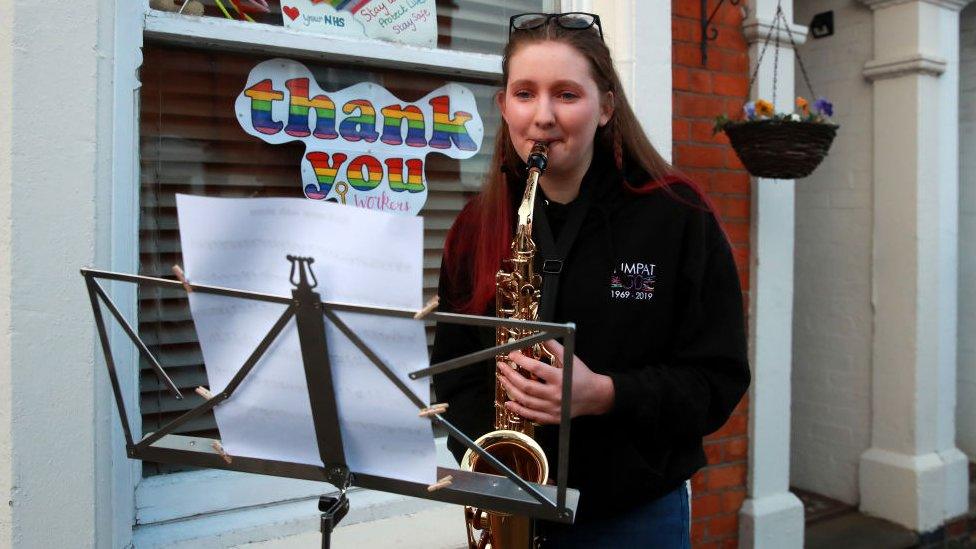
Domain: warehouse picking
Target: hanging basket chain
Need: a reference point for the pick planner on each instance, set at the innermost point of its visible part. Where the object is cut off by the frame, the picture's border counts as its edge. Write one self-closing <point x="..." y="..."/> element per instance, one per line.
<point x="799" y="59"/>
<point x="774" y="30"/>
<point x="762" y="53"/>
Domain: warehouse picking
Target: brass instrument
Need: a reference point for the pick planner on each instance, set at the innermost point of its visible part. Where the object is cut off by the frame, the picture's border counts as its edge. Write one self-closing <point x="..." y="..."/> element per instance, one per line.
<point x="517" y="295"/>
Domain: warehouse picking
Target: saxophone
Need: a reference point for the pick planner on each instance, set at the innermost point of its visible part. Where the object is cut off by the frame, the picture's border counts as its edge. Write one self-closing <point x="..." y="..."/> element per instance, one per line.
<point x="516" y="297"/>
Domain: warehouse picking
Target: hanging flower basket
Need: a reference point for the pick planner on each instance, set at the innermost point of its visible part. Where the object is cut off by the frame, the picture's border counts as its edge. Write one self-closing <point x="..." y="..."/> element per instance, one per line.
<point x="780" y="149"/>
<point x="781" y="145"/>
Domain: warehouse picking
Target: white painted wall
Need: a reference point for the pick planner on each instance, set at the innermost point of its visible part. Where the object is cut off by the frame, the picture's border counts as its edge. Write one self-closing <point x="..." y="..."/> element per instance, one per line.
<point x="6" y="182"/>
<point x="643" y="60"/>
<point x="52" y="470"/>
<point x="639" y="36"/>
<point x="831" y="416"/>
<point x="966" y="410"/>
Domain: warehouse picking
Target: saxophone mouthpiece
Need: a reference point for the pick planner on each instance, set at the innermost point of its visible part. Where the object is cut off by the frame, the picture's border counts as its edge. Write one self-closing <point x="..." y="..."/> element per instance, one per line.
<point x="539" y="156"/>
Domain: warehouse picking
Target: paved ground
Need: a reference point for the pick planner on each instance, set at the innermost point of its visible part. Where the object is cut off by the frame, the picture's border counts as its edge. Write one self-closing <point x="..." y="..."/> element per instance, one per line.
<point x="856" y="531"/>
<point x="832" y="525"/>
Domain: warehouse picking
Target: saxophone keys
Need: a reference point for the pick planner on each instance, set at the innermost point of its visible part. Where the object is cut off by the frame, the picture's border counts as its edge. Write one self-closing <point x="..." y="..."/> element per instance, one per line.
<point x="481" y="519"/>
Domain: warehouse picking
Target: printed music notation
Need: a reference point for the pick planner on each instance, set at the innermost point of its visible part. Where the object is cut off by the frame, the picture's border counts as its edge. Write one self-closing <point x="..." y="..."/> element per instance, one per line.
<point x="361" y="257"/>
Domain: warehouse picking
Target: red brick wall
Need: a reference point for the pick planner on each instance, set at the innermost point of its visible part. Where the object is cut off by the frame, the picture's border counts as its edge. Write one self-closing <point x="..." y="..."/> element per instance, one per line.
<point x="701" y="93"/>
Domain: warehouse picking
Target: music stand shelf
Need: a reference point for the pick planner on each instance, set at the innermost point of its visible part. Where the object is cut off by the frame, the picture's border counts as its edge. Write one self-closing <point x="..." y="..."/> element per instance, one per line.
<point x="507" y="493"/>
<point x="491" y="491"/>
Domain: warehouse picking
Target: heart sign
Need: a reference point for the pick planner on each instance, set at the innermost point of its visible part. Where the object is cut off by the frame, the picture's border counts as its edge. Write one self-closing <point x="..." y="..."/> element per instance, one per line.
<point x="406" y="21"/>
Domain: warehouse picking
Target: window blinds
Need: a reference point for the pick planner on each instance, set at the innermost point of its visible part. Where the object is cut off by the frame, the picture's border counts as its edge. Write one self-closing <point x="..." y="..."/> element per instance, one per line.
<point x="191" y="142"/>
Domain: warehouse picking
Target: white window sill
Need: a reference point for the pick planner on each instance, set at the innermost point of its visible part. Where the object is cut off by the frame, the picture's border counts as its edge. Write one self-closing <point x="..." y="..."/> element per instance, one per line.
<point x="436" y="528"/>
<point x="375" y="514"/>
<point x="270" y="39"/>
<point x="216" y="508"/>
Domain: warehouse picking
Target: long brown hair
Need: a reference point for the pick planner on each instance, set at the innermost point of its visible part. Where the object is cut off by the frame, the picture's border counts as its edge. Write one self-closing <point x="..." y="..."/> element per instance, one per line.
<point x="479" y="239"/>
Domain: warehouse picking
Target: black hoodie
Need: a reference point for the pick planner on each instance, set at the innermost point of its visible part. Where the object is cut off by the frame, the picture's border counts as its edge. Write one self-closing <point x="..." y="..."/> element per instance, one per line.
<point x="652" y="287"/>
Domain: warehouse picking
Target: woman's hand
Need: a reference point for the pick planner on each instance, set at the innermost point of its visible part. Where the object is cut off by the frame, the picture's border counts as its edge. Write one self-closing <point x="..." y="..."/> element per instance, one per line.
<point x="541" y="400"/>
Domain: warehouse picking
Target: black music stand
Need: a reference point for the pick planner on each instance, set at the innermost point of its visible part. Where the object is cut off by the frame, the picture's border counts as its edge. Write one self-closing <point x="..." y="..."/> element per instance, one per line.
<point x="508" y="493"/>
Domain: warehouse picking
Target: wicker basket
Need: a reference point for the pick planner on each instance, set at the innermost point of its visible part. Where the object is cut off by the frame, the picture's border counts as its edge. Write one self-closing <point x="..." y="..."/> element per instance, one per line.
<point x="779" y="149"/>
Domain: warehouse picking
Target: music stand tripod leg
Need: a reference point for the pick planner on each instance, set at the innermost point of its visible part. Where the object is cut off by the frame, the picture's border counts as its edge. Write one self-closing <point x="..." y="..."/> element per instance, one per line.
<point x="333" y="509"/>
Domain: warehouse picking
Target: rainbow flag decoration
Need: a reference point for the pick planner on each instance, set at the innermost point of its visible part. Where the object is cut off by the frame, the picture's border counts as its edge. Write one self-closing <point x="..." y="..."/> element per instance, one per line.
<point x="447" y="129"/>
<point x="262" y="95"/>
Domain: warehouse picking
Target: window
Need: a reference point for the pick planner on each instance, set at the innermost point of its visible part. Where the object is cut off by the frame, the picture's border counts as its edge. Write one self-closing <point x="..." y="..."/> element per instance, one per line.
<point x="190" y="142"/>
<point x="185" y="72"/>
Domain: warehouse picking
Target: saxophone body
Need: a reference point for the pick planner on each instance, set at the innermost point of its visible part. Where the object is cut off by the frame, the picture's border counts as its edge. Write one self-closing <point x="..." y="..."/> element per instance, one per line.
<point x="517" y="293"/>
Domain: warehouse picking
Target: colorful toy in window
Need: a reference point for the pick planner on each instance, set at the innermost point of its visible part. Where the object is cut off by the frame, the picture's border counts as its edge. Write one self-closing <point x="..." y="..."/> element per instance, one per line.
<point x="347" y="5"/>
<point x="243" y="8"/>
<point x="187" y="7"/>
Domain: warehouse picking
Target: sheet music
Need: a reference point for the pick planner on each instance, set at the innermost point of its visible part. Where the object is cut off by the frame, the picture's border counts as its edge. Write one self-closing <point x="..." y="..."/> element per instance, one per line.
<point x="361" y="257"/>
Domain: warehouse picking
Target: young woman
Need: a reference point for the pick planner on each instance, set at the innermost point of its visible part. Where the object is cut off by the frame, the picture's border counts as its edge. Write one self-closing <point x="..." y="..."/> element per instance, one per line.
<point x="635" y="256"/>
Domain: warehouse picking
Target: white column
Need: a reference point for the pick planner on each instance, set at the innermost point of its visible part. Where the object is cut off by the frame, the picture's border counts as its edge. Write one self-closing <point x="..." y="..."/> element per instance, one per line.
<point x="966" y="413"/>
<point x="6" y="183"/>
<point x="913" y="474"/>
<point x="771" y="517"/>
<point x="639" y="37"/>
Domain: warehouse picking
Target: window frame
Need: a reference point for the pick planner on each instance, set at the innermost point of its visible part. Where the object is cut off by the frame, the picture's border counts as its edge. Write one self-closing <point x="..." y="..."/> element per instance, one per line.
<point x="241" y="36"/>
<point x="145" y="504"/>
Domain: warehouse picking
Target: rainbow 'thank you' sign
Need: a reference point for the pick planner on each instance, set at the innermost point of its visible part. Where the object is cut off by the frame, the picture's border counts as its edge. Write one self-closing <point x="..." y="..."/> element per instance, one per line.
<point x="363" y="146"/>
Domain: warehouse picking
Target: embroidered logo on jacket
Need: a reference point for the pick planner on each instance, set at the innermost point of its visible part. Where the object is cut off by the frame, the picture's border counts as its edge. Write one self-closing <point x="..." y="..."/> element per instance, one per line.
<point x="632" y="281"/>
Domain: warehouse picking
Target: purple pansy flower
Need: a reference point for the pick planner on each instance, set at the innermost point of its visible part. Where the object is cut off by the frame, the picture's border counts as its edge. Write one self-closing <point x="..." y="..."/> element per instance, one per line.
<point x="824" y="107"/>
<point x="749" y="109"/>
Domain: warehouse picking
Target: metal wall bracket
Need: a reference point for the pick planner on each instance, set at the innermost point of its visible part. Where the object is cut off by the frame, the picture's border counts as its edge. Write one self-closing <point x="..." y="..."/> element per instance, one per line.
<point x="709" y="32"/>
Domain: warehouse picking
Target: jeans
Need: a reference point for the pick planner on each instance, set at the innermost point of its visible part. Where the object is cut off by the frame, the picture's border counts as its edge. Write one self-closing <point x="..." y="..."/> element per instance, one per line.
<point x="661" y="524"/>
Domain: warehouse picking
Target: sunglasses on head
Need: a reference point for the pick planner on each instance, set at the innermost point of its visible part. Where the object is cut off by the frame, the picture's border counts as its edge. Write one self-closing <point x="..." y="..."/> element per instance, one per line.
<point x="574" y="20"/>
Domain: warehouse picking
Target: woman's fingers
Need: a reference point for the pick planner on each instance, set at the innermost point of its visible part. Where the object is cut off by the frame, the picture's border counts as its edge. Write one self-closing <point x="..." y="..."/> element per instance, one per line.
<point x="525" y="384"/>
<point x="529" y="393"/>
<point x="549" y="374"/>
<point x="530" y="414"/>
<point x="521" y="394"/>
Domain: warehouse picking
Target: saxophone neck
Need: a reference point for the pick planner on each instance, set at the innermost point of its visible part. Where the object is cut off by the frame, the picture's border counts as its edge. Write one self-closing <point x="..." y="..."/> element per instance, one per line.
<point x="528" y="200"/>
<point x="537" y="161"/>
